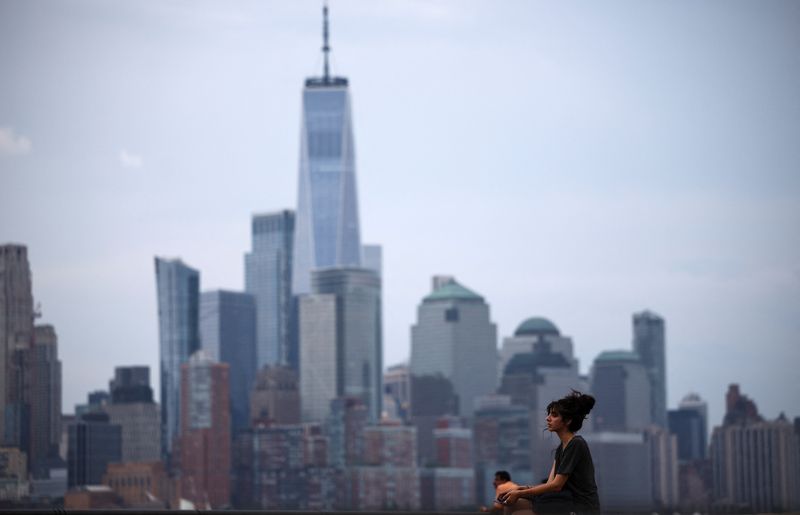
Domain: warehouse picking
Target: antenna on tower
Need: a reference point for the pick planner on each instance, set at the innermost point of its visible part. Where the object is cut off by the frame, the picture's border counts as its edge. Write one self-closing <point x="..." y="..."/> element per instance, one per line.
<point x="325" y="47"/>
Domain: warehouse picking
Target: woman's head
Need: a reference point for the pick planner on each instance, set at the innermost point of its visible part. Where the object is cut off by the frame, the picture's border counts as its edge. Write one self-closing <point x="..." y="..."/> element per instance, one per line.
<point x="572" y="409"/>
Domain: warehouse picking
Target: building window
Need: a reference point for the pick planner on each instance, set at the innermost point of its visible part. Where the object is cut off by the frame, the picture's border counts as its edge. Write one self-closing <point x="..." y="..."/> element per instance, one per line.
<point x="451" y="315"/>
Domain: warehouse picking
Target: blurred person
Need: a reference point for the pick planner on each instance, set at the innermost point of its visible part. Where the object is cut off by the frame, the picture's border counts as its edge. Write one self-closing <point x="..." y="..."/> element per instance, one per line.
<point x="503" y="484"/>
<point x="570" y="486"/>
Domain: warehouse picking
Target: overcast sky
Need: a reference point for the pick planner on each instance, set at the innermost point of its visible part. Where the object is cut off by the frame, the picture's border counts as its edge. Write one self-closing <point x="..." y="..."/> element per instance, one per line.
<point x="580" y="161"/>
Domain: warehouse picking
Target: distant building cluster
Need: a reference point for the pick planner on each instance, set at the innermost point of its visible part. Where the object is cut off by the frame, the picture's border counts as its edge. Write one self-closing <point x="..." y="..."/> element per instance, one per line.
<point x="277" y="398"/>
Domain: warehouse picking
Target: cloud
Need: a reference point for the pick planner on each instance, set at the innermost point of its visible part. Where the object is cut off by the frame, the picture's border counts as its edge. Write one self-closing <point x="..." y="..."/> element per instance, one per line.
<point x="130" y="160"/>
<point x="12" y="144"/>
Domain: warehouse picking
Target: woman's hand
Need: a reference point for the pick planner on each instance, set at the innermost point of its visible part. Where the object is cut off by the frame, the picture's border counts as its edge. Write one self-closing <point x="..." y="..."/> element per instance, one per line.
<point x="510" y="497"/>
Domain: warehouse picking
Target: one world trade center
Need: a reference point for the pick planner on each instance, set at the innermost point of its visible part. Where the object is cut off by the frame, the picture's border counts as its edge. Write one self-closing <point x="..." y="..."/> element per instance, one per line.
<point x="326" y="228"/>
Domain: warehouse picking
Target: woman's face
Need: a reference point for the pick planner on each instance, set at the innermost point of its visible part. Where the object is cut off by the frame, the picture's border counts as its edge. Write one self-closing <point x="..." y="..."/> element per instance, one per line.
<point x="554" y="421"/>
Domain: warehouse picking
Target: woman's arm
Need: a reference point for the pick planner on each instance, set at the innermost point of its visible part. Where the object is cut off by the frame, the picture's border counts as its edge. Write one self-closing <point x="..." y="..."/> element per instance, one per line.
<point x="554" y="484"/>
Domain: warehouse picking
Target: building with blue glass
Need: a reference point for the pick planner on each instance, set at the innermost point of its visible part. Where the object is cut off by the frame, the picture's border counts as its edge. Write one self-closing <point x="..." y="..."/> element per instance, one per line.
<point x="228" y="335"/>
<point x="268" y="276"/>
<point x="327" y="230"/>
<point x="178" y="289"/>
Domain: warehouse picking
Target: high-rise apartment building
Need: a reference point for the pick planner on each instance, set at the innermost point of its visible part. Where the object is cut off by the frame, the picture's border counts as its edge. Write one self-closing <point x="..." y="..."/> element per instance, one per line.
<point x="340" y="341"/>
<point x="454" y="337"/>
<point x="228" y="335"/>
<point x="621" y="385"/>
<point x="205" y="437"/>
<point x="268" y="277"/>
<point x="649" y="344"/>
<point x="178" y="289"/>
<point x="327" y="232"/>
<point x="133" y="409"/>
<point x="16" y="336"/>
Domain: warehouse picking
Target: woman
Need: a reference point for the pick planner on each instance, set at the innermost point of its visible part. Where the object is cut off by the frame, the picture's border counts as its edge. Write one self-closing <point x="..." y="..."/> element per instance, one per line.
<point x="572" y="468"/>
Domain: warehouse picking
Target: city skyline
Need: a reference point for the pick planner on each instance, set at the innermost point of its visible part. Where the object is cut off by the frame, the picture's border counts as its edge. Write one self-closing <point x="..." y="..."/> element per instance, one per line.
<point x="534" y="170"/>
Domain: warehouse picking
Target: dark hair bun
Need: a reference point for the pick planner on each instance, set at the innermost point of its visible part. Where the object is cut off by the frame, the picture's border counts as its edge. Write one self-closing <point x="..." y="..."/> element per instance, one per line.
<point x="585" y="403"/>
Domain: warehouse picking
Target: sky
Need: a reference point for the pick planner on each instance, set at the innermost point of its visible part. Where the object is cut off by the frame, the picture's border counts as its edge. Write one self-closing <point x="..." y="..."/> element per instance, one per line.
<point x="576" y="160"/>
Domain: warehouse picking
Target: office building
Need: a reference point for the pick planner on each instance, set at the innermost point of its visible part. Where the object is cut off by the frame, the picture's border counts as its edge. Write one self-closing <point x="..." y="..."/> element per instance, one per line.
<point x="345" y="426"/>
<point x="133" y="409"/>
<point x="502" y="436"/>
<point x="755" y="463"/>
<point x="623" y="470"/>
<point x="397" y="386"/>
<point x="689" y="426"/>
<point x="45" y="402"/>
<point x="275" y="398"/>
<point x="620" y="384"/>
<point x="340" y="341"/>
<point x="14" y="483"/>
<point x="649" y="343"/>
<point x="327" y="232"/>
<point x="284" y="467"/>
<point x="268" y="277"/>
<point x="139" y="485"/>
<point x="454" y="337"/>
<point x="205" y="437"/>
<point x="535" y="330"/>
<point x="432" y="396"/>
<point x="178" y="288"/>
<point x="228" y="335"/>
<point x="16" y="336"/>
<point x="94" y="442"/>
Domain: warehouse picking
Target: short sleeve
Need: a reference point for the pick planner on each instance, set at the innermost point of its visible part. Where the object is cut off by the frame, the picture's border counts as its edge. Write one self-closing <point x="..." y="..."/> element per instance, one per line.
<point x="571" y="457"/>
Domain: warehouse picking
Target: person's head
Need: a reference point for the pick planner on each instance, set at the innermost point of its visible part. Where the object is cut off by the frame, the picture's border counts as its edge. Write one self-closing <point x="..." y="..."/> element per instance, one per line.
<point x="500" y="477"/>
<point x="569" y="412"/>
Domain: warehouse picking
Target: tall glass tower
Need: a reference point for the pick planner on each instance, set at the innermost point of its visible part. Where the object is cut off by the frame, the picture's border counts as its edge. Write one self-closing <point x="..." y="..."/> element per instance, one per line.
<point x="178" y="288"/>
<point x="649" y="343"/>
<point x="268" y="276"/>
<point x="327" y="230"/>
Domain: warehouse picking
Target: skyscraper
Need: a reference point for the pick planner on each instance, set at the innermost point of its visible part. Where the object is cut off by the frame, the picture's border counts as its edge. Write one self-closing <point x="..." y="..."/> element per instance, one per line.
<point x="268" y="276"/>
<point x="178" y="288"/>
<point x="340" y="341"/>
<point x="327" y="230"/>
<point x="16" y="335"/>
<point x="133" y="409"/>
<point x="454" y="337"/>
<point x="228" y="335"/>
<point x="93" y="444"/>
<point x="620" y="383"/>
<point x="45" y="400"/>
<point x="649" y="344"/>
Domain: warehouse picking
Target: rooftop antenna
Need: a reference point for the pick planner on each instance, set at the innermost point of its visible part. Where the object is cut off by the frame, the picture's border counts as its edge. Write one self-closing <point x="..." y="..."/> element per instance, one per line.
<point x="325" y="47"/>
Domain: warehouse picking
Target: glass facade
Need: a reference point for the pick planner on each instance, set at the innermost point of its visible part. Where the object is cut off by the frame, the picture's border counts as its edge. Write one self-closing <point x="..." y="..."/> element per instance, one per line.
<point x="268" y="276"/>
<point x="649" y="343"/>
<point x="327" y="231"/>
<point x="340" y="341"/>
<point x="228" y="335"/>
<point x="178" y="288"/>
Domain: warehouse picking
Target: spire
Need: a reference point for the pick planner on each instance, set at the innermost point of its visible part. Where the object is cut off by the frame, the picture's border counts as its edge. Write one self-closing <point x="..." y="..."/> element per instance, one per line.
<point x="325" y="47"/>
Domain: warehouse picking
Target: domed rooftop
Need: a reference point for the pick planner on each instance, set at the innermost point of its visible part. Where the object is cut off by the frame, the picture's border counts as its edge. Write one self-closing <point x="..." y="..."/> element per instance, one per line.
<point x="452" y="291"/>
<point x="618" y="355"/>
<point x="537" y="326"/>
<point x="530" y="362"/>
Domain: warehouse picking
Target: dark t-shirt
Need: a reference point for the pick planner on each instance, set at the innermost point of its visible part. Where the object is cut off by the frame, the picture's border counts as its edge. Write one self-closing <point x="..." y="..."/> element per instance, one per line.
<point x="576" y="463"/>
